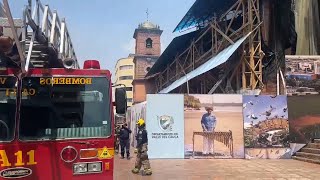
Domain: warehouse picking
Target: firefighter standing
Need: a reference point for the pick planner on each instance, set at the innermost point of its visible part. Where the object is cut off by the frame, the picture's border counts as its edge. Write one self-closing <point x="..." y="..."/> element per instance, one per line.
<point x="142" y="150"/>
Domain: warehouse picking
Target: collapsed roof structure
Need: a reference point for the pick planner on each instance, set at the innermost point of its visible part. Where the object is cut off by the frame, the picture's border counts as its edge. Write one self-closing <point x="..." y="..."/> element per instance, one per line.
<point x="238" y="47"/>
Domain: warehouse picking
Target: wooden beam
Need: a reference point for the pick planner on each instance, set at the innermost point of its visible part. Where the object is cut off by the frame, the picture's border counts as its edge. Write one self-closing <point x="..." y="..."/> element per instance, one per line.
<point x="230" y="9"/>
<point x="235" y="33"/>
<point x="224" y="35"/>
<point x="252" y="71"/>
<point x="256" y="11"/>
<point x="226" y="32"/>
<point x="244" y="79"/>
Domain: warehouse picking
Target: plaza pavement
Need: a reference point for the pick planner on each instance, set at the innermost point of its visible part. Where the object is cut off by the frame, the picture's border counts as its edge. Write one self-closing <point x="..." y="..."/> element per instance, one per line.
<point x="219" y="169"/>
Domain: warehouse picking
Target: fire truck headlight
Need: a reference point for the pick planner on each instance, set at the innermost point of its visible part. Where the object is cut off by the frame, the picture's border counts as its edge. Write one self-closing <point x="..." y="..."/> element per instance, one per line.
<point x="95" y="167"/>
<point x="80" y="168"/>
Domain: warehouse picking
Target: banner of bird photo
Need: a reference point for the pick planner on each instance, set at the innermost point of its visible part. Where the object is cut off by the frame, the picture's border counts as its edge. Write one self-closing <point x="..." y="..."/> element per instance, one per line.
<point x="266" y="127"/>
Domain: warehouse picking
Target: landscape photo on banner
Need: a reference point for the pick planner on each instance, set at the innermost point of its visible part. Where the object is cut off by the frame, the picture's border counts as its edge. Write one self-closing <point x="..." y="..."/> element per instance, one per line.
<point x="218" y="134"/>
<point x="165" y="126"/>
<point x="303" y="87"/>
<point x="266" y="126"/>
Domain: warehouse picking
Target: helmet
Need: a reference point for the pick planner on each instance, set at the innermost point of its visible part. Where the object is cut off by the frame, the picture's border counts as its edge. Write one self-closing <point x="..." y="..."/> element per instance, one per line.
<point x="140" y="122"/>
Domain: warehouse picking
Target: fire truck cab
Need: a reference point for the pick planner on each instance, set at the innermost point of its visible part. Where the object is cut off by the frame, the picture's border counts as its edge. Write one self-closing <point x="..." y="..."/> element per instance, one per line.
<point x="56" y="120"/>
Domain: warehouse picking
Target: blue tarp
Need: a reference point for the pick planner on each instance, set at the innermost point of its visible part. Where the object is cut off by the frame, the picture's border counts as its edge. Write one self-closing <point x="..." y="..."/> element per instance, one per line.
<point x="215" y="61"/>
<point x="301" y="76"/>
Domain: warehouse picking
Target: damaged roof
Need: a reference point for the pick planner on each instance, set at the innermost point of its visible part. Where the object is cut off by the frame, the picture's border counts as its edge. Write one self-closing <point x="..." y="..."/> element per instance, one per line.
<point x="203" y="10"/>
<point x="177" y="46"/>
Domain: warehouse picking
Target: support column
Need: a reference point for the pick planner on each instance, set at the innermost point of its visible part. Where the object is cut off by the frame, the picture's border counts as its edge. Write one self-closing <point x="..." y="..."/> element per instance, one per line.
<point x="253" y="55"/>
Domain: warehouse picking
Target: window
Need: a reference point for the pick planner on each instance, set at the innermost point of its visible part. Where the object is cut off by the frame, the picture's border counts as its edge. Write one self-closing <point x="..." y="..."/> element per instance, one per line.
<point x="128" y="88"/>
<point x="125" y="78"/>
<point x="7" y="107"/>
<point x="151" y="60"/>
<point x="129" y="99"/>
<point x="149" y="43"/>
<point x="124" y="67"/>
<point x="62" y="108"/>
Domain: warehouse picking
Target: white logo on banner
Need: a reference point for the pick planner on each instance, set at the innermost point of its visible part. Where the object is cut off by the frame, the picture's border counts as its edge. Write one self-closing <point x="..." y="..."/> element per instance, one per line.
<point x="165" y="125"/>
<point x="166" y="122"/>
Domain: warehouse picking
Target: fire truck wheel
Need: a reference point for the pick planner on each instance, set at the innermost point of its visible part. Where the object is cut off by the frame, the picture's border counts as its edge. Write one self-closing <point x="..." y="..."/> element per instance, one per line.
<point x="121" y="100"/>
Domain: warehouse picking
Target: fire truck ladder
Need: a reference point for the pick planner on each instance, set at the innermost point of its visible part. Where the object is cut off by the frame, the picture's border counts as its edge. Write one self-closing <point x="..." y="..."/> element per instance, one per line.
<point x="42" y="37"/>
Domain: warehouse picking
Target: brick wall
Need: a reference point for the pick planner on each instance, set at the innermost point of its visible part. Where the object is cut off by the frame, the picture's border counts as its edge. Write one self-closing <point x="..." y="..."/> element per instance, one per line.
<point x="144" y="58"/>
<point x="142" y="88"/>
<point x="141" y="64"/>
<point x="141" y="44"/>
<point x="139" y="94"/>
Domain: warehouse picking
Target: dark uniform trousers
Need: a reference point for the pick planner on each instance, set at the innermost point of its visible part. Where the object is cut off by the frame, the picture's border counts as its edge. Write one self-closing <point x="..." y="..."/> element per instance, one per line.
<point x="125" y="147"/>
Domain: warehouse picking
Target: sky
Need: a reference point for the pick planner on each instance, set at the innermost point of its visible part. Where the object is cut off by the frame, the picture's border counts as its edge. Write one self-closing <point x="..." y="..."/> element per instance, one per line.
<point x="261" y="104"/>
<point x="103" y="29"/>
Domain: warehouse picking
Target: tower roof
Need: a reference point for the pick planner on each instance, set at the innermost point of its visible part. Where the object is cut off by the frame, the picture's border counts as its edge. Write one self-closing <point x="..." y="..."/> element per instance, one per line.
<point x="148" y="25"/>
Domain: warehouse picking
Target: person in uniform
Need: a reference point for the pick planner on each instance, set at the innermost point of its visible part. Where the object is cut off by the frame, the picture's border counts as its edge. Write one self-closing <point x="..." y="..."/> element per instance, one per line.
<point x="117" y="141"/>
<point x="142" y="150"/>
<point x="208" y="123"/>
<point x="125" y="140"/>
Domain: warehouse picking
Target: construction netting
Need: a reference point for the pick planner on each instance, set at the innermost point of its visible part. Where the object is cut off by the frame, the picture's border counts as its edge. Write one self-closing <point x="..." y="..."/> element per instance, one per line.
<point x="307" y="27"/>
<point x="282" y="36"/>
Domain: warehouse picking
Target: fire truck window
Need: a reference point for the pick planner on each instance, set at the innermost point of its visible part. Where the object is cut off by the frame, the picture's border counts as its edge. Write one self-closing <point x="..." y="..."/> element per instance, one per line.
<point x="7" y="107"/>
<point x="60" y="108"/>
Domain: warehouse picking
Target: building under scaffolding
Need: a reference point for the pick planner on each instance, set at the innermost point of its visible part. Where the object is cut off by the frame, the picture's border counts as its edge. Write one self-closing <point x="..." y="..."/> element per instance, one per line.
<point x="238" y="47"/>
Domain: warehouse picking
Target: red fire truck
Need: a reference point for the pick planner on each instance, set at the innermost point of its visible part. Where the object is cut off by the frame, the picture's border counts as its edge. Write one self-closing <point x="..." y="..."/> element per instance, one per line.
<point x="56" y="120"/>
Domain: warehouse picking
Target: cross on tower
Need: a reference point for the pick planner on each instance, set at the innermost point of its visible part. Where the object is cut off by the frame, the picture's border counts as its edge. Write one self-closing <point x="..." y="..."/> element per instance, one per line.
<point x="147" y="14"/>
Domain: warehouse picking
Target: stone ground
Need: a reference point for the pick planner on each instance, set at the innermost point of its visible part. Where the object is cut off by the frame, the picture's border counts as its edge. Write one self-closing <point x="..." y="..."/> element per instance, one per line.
<point x="219" y="169"/>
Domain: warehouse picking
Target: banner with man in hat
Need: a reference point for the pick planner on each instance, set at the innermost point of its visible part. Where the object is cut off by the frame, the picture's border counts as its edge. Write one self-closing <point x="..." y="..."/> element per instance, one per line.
<point x="208" y="123"/>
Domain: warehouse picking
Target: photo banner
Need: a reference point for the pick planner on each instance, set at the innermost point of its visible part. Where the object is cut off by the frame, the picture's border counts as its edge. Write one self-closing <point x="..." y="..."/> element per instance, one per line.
<point x="266" y="121"/>
<point x="266" y="127"/>
<point x="213" y="126"/>
<point x="303" y="90"/>
<point x="165" y="126"/>
<point x="136" y="112"/>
